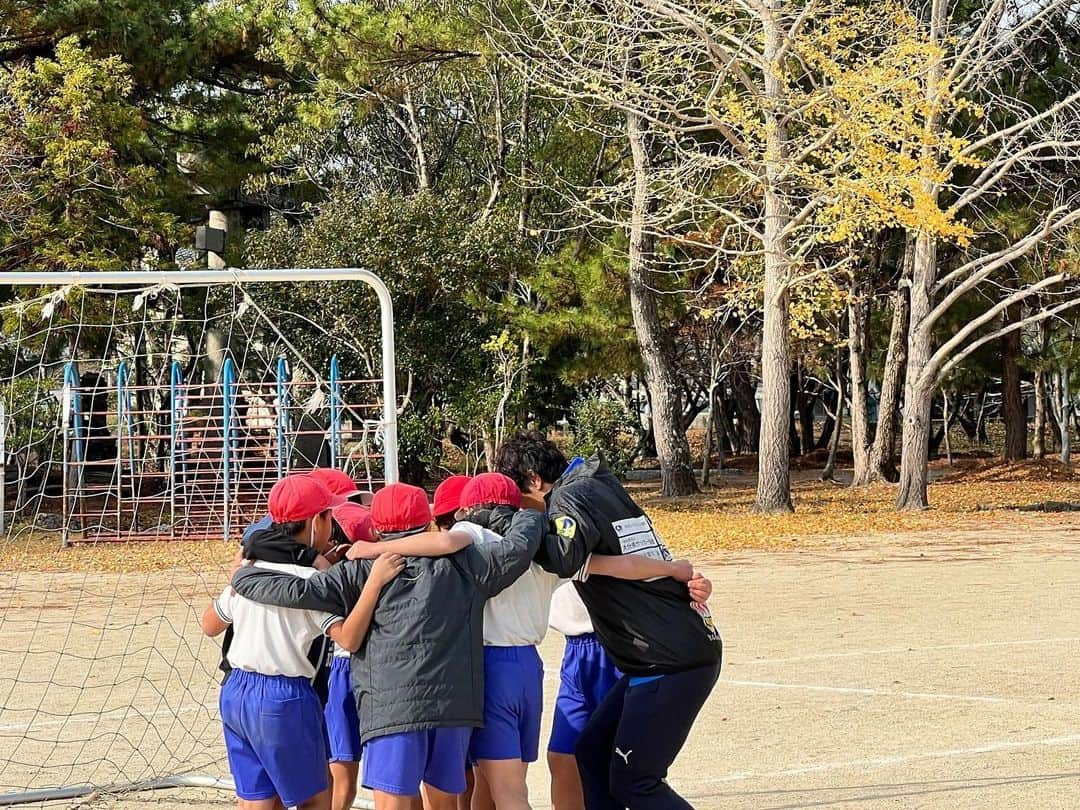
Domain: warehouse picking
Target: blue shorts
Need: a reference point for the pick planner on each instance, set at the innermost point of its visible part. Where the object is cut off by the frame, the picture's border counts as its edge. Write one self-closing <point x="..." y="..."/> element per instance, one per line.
<point x="274" y="737"/>
<point x="342" y="722"/>
<point x="513" y="701"/>
<point x="587" y="675"/>
<point x="398" y="763"/>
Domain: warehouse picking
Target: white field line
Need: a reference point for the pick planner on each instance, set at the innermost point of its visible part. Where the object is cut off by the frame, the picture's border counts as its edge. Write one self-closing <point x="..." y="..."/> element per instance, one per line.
<point x="887" y="762"/>
<point x="121" y="714"/>
<point x="897" y="650"/>
<point x="852" y="690"/>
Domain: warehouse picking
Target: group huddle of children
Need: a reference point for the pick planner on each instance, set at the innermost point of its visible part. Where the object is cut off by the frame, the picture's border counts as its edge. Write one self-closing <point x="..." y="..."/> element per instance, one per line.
<point x="434" y="613"/>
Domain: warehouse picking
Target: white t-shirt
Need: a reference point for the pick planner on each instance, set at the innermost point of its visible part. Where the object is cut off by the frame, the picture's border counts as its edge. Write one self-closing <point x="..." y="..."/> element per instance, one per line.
<point x="519" y="615"/>
<point x="272" y="640"/>
<point x="568" y="613"/>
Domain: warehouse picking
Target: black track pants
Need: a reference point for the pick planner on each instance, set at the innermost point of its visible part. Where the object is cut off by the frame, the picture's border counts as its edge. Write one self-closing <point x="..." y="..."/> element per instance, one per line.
<point x="633" y="737"/>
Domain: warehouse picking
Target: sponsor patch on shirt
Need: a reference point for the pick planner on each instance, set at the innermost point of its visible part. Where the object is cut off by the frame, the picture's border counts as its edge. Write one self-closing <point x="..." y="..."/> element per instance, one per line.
<point x="637" y="536"/>
<point x="566" y="527"/>
<point x="706" y="617"/>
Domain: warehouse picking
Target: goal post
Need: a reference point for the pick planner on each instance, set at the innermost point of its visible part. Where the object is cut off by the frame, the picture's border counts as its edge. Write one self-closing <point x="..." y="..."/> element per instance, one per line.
<point x="206" y="278"/>
<point x="107" y="684"/>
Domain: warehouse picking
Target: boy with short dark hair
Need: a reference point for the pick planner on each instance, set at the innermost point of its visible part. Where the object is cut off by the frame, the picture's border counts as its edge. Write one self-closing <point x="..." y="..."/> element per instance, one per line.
<point x="667" y="646"/>
<point x="515" y="622"/>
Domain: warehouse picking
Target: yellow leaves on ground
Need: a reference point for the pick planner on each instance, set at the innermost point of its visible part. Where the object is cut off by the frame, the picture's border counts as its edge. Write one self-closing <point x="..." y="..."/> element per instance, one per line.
<point x="40" y="551"/>
<point x="976" y="494"/>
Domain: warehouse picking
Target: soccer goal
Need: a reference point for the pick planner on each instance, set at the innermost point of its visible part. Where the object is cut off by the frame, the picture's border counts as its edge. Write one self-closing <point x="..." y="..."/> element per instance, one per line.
<point x="156" y="409"/>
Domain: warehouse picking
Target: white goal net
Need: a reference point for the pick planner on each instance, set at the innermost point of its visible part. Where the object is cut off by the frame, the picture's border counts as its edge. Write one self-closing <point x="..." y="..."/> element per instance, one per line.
<point x="143" y="418"/>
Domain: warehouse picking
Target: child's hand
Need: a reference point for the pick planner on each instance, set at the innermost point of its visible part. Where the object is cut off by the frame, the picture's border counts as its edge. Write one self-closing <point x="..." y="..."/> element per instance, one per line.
<point x="321" y="563"/>
<point x="363" y="551"/>
<point x="682" y="570"/>
<point x="700" y="589"/>
<point x="386" y="567"/>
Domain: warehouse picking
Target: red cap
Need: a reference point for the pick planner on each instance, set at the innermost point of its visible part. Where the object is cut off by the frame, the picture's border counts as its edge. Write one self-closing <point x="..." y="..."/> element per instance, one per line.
<point x="334" y="480"/>
<point x="448" y="495"/>
<point x="399" y="508"/>
<point x="355" y="521"/>
<point x="299" y="497"/>
<point x="495" y="489"/>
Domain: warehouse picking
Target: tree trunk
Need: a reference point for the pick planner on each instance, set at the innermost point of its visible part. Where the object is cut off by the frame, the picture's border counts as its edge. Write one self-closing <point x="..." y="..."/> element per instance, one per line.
<point x="1038" y="442"/>
<point x="1065" y="398"/>
<point x="677" y="474"/>
<point x="1012" y="404"/>
<point x="744" y="390"/>
<point x="416" y="136"/>
<point x="882" y="465"/>
<point x="774" y="475"/>
<point x="920" y="379"/>
<point x="825" y="437"/>
<point x="719" y="423"/>
<point x="918" y="389"/>
<point x="706" y="464"/>
<point x="946" y="420"/>
<point x="834" y="444"/>
<point x="858" y="349"/>
<point x="981" y="435"/>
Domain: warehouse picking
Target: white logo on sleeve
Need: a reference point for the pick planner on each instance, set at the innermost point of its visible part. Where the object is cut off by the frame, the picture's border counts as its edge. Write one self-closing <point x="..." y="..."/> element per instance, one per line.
<point x="626" y="756"/>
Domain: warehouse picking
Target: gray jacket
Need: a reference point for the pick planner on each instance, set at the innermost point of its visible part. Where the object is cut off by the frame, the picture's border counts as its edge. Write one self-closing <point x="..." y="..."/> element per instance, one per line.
<point x="421" y="665"/>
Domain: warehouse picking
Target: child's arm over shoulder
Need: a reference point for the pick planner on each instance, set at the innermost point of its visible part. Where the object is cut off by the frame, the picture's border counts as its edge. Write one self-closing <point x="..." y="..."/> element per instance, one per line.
<point x="637" y="566"/>
<point x="350" y="634"/>
<point x="426" y="544"/>
<point x="333" y="591"/>
<point x="218" y="614"/>
<point x="496" y="566"/>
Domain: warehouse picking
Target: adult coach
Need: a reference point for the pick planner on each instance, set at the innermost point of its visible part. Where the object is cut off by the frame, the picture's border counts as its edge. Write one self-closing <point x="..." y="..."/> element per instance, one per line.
<point x="668" y="648"/>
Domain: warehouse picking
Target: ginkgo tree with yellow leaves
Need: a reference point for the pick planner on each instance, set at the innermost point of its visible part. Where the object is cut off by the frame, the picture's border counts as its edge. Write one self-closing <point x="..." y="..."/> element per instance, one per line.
<point x="759" y="128"/>
<point x="1021" y="145"/>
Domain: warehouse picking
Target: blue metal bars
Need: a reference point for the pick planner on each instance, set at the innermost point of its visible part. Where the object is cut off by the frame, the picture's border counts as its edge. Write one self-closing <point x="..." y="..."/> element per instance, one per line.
<point x="284" y="401"/>
<point x="335" y="410"/>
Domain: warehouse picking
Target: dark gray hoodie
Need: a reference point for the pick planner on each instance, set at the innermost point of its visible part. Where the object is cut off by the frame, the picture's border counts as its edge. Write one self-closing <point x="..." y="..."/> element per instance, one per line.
<point x="421" y="665"/>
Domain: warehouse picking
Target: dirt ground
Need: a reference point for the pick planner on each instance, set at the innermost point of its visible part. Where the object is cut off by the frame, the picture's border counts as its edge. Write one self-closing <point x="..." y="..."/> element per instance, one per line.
<point x="918" y="670"/>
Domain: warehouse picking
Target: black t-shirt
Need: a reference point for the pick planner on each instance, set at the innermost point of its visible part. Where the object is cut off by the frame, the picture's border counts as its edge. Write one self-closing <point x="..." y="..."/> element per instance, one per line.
<point x="648" y="628"/>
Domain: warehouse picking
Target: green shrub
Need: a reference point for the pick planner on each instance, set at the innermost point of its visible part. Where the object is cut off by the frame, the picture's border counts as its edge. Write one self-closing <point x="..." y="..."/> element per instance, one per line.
<point x="604" y="425"/>
<point x="419" y="445"/>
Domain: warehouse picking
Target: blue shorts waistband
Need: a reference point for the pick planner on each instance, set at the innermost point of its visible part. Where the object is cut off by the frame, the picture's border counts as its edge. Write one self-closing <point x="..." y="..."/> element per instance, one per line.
<point x="516" y="653"/>
<point x="584" y="639"/>
<point x="242" y="675"/>
<point x="336" y="662"/>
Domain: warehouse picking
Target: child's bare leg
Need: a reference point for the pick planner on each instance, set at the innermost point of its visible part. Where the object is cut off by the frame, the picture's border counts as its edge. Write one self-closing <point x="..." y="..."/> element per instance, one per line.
<point x="259" y="804"/>
<point x="343" y="784"/>
<point x="435" y="799"/>
<point x="506" y="780"/>
<point x="320" y="801"/>
<point x="481" y="795"/>
<point x="566" y="792"/>
<point x="394" y="801"/>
